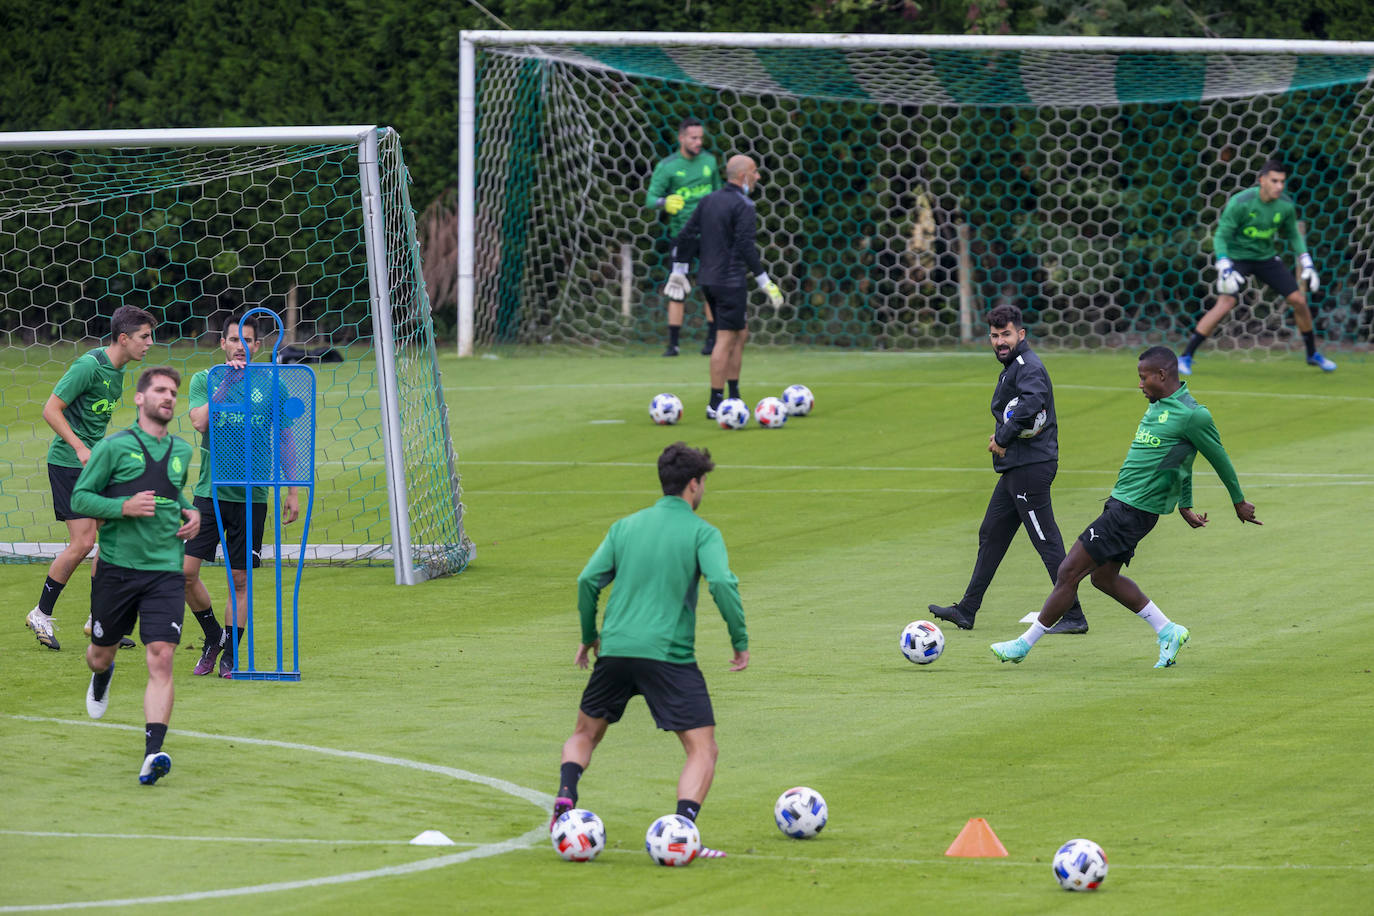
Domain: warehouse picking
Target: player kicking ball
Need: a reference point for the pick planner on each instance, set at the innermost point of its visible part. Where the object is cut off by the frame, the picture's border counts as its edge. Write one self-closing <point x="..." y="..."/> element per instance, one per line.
<point x="1156" y="476"/>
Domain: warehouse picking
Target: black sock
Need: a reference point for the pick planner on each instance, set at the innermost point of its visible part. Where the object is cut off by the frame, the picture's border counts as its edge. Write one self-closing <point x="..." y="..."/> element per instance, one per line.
<point x="717" y="395"/>
<point x="238" y="642"/>
<point x="1309" y="340"/>
<point x="734" y="387"/>
<point x="710" y="330"/>
<point x="568" y="775"/>
<point x="674" y="334"/>
<point x="688" y="809"/>
<point x="48" y="597"/>
<point x="1193" y="343"/>
<point x="153" y="734"/>
<point x="214" y="633"/>
<point x="100" y="682"/>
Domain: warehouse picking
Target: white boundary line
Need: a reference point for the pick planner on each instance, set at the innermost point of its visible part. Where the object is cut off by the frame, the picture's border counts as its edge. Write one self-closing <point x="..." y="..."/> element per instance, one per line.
<point x="523" y="841"/>
<point x="175" y="838"/>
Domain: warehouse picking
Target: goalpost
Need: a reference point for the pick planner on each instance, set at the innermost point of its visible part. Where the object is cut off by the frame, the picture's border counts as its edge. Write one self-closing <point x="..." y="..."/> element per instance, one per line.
<point x="201" y="224"/>
<point x="909" y="182"/>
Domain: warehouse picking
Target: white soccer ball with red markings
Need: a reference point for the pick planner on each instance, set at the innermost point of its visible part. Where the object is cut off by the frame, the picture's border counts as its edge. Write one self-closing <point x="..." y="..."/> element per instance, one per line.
<point x="665" y="409"/>
<point x="732" y="413"/>
<point x="1080" y="865"/>
<point x="800" y="813"/>
<point x="578" y="835"/>
<point x="673" y="840"/>
<point x="770" y="413"/>
<point x="798" y="400"/>
<point x="922" y="642"/>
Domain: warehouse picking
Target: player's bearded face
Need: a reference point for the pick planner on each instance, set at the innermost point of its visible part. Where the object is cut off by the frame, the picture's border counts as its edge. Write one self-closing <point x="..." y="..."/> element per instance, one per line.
<point x="159" y="401"/>
<point x="1004" y="340"/>
<point x="692" y="139"/>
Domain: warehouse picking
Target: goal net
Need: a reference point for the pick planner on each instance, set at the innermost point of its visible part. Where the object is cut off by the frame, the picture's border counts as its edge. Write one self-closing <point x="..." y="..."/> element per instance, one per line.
<point x="912" y="182"/>
<point x="197" y="226"/>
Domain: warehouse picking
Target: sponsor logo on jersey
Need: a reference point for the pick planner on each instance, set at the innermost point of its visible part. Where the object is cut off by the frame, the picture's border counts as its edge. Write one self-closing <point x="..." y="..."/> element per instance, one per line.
<point x="1163" y="417"/>
<point x="1145" y="437"/>
<point x="105" y="406"/>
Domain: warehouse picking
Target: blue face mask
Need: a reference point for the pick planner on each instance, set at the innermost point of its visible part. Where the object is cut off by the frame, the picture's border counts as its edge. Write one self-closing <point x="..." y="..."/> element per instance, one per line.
<point x="745" y="187"/>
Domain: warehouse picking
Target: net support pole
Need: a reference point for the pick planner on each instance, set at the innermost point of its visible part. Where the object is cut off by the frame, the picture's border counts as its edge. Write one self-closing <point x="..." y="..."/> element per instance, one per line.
<point x="965" y="286"/>
<point x="627" y="278"/>
<point x="467" y="189"/>
<point x="374" y="234"/>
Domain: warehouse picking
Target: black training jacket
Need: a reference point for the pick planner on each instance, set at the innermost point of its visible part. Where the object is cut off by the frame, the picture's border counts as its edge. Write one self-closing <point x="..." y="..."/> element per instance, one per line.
<point x="721" y="233"/>
<point x="1024" y="377"/>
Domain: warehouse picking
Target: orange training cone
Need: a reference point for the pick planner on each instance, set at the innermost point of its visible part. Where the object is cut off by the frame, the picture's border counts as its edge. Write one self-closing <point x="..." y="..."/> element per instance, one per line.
<point x="976" y="841"/>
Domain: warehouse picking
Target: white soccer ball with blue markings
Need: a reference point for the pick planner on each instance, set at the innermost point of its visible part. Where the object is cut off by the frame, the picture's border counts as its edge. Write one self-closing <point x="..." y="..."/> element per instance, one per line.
<point x="665" y="409"/>
<point x="770" y="413"/>
<point x="578" y="835"/>
<point x="801" y="813"/>
<point x="798" y="400"/>
<point x="1035" y="428"/>
<point x="922" y="642"/>
<point x="673" y="840"/>
<point x="1080" y="865"/>
<point x="732" y="413"/>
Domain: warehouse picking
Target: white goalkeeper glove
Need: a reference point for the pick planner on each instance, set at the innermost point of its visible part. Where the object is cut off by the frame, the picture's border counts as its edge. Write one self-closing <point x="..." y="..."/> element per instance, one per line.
<point x="1309" y="273"/>
<point x="1229" y="281"/>
<point x="771" y="288"/>
<point x="673" y="204"/>
<point x="677" y="287"/>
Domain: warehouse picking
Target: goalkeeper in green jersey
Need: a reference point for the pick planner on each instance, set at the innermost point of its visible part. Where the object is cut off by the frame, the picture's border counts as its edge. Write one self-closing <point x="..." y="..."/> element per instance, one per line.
<point x="1244" y="245"/>
<point x="678" y="184"/>
<point x="1156" y="476"/>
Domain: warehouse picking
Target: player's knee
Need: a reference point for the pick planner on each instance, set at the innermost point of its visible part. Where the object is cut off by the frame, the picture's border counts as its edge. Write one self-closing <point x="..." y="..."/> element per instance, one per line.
<point x="1104" y="579"/>
<point x="81" y="543"/>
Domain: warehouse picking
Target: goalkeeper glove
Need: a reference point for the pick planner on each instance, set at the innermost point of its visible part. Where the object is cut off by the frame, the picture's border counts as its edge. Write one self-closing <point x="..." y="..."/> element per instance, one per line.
<point x="677" y="287"/>
<point x="1309" y="273"/>
<point x="771" y="288"/>
<point x="673" y="204"/>
<point x="1229" y="281"/>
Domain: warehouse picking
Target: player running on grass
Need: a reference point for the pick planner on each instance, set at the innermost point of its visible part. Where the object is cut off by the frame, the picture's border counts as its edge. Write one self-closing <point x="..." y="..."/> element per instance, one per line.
<point x="646" y="645"/>
<point x="1244" y="245"/>
<point x="134" y="481"/>
<point x="79" y="412"/>
<point x="1156" y="476"/>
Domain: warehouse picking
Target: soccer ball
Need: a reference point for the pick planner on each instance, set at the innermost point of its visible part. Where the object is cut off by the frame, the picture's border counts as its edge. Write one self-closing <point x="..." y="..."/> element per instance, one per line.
<point x="770" y="413"/>
<point x="922" y="642"/>
<point x="800" y="813"/>
<point x="1025" y="433"/>
<point x="665" y="409"/>
<point x="578" y="835"/>
<point x="798" y="400"/>
<point x="732" y="414"/>
<point x="673" y="840"/>
<point x="1080" y="865"/>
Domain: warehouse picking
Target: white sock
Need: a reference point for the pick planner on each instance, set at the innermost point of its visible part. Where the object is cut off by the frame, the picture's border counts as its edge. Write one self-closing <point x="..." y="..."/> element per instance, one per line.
<point x="1153" y="616"/>
<point x="1032" y="635"/>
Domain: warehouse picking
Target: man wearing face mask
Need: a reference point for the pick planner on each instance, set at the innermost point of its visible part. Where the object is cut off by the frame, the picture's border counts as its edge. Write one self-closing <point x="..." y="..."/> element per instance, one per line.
<point x="721" y="232"/>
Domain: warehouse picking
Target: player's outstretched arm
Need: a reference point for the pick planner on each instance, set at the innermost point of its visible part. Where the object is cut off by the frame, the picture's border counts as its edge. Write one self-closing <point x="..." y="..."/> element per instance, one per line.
<point x="1246" y="513"/>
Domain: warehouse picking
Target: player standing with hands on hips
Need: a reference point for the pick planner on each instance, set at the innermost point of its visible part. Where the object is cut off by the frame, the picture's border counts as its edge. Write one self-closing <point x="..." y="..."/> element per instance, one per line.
<point x="1025" y="453"/>
<point x="721" y="232"/>
<point x="676" y="187"/>
<point x="134" y="482"/>
<point x="656" y="558"/>
<point x="1156" y="476"/>
<point x="1244" y="245"/>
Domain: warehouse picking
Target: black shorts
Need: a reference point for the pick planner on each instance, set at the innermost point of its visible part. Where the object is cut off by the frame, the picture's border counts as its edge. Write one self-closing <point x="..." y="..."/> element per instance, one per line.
<point x="727" y="305"/>
<point x="676" y="694"/>
<point x="1271" y="273"/>
<point x="1112" y="537"/>
<point x="203" y="545"/>
<point x="63" y="481"/>
<point x="119" y="596"/>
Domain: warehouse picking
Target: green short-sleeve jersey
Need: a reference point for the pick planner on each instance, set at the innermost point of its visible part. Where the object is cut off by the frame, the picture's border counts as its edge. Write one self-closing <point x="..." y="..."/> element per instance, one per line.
<point x="200" y="397"/>
<point x="147" y="542"/>
<point x="691" y="179"/>
<point x="91" y="389"/>
<point x="656" y="557"/>
<point x="1158" y="472"/>
<point x="1248" y="227"/>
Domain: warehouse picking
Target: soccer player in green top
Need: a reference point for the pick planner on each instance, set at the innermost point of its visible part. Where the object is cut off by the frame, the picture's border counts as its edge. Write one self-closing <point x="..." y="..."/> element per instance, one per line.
<point x="134" y="481"/>
<point x="79" y="412"/>
<point x="1156" y="476"/>
<point x="646" y="644"/>
<point x="677" y="185"/>
<point x="1244" y="244"/>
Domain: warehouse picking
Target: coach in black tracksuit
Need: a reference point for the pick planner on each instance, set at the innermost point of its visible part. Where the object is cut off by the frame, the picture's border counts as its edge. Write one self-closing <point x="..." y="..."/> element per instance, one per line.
<point x="1027" y="461"/>
<point x="721" y="232"/>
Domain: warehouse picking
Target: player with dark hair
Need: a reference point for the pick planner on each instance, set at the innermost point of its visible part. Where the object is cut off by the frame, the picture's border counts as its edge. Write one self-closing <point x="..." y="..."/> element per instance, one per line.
<point x="647" y="641"/>
<point x="676" y="187"/>
<point x="134" y="481"/>
<point x="239" y="528"/>
<point x="1244" y="246"/>
<point x="79" y="411"/>
<point x="1156" y="476"/>
<point x="1027" y="461"/>
<point x="722" y="229"/>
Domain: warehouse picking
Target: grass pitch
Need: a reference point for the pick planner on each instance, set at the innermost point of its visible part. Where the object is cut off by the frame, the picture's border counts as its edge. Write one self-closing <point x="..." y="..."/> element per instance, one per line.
<point x="1237" y="781"/>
